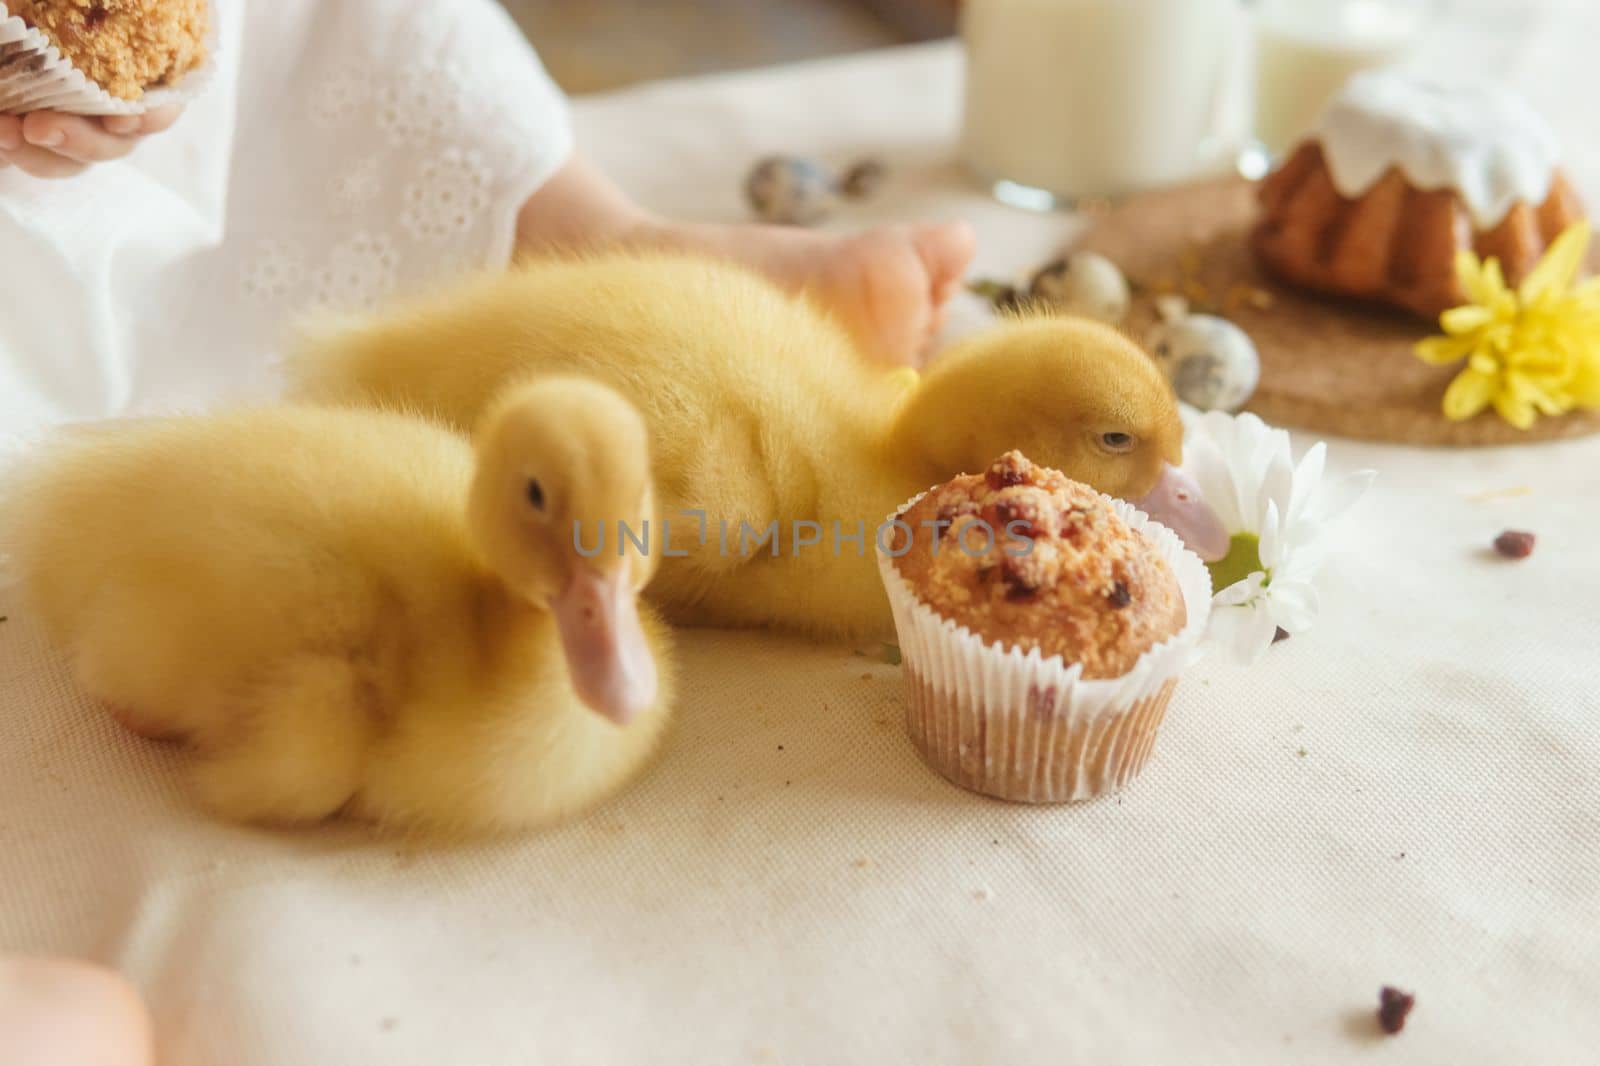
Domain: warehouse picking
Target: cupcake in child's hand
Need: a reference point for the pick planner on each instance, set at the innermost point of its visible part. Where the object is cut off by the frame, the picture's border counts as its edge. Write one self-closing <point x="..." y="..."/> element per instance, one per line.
<point x="1042" y="629"/>
<point x="108" y="53"/>
<point x="124" y="46"/>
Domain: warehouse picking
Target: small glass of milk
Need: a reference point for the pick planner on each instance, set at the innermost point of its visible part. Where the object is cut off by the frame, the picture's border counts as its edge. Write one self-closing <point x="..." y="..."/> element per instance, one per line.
<point x="1067" y="99"/>
<point x="1307" y="49"/>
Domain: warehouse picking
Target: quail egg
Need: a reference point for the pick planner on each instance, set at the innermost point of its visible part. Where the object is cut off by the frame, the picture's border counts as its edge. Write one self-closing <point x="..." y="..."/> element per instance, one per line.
<point x="863" y="179"/>
<point x="1212" y="363"/>
<point x="1083" y="283"/>
<point x="791" y="190"/>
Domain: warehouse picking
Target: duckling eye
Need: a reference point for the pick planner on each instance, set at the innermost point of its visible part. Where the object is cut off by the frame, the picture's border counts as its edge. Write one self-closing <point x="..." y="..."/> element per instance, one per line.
<point x="1117" y="442"/>
<point x="535" y="494"/>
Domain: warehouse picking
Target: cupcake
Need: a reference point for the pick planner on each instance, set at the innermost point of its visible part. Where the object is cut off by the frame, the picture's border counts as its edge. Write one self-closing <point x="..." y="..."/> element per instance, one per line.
<point x="1042" y="630"/>
<point x="98" y="56"/>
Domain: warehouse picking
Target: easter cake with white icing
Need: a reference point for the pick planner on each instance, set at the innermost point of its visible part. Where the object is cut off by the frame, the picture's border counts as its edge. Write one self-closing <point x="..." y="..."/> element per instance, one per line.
<point x="1398" y="177"/>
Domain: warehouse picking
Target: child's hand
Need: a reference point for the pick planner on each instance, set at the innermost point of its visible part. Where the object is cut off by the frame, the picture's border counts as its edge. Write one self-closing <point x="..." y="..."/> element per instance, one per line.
<point x="48" y="144"/>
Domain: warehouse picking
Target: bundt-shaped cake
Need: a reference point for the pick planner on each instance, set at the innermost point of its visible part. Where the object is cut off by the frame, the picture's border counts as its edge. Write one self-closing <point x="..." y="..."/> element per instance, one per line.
<point x="1401" y="175"/>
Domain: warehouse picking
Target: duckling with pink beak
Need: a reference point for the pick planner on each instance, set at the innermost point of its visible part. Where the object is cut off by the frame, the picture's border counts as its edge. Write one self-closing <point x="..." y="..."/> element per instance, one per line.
<point x="1177" y="503"/>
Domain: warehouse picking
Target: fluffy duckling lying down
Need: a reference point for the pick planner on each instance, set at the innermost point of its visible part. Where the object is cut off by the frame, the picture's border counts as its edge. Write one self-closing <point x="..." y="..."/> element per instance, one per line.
<point x="760" y="411"/>
<point x="359" y="611"/>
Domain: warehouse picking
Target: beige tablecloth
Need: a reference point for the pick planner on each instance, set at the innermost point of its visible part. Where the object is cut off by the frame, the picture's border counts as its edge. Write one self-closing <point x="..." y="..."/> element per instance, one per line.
<point x="1408" y="795"/>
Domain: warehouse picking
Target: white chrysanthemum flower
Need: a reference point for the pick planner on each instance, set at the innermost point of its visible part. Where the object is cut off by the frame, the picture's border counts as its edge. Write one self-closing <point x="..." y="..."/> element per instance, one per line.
<point x="1278" y="515"/>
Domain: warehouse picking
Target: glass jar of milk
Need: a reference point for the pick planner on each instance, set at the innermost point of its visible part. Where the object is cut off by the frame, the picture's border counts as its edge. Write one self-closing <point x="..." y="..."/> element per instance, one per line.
<point x="1307" y="49"/>
<point x="1085" y="98"/>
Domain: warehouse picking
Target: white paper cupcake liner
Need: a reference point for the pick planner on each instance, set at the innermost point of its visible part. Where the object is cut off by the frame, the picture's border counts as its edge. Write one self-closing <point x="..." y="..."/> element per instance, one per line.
<point x="35" y="76"/>
<point x="1024" y="727"/>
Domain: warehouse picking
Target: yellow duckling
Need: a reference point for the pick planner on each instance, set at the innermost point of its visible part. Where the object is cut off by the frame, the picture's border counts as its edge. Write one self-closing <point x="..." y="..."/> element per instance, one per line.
<point x="359" y="611"/>
<point x="761" y="411"/>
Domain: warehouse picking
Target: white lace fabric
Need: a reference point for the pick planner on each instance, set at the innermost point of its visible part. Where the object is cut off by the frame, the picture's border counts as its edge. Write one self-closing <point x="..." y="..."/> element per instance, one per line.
<point x="345" y="152"/>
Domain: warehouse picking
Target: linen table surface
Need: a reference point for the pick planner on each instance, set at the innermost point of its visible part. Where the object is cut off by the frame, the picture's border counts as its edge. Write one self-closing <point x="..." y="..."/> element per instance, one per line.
<point x="1407" y="795"/>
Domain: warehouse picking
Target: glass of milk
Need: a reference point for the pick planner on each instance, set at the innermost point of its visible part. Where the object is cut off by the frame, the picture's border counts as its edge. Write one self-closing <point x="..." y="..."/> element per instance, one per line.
<point x="1307" y="49"/>
<point x="1068" y="99"/>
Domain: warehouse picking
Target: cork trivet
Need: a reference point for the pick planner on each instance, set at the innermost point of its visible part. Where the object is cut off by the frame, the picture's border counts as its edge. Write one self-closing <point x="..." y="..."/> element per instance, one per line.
<point x="1327" y="365"/>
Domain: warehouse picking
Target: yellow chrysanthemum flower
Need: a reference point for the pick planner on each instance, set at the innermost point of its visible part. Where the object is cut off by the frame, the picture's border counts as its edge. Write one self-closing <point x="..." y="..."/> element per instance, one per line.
<point x="1530" y="351"/>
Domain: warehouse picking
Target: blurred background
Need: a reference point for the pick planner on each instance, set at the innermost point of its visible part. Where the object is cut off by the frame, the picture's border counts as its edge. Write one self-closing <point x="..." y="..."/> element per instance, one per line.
<point x="593" y="45"/>
<point x="1132" y="93"/>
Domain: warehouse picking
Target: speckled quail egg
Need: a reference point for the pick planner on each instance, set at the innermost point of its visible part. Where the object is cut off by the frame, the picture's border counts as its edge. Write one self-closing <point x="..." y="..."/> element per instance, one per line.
<point x="791" y="190"/>
<point x="1212" y="363"/>
<point x="863" y="179"/>
<point x="1083" y="283"/>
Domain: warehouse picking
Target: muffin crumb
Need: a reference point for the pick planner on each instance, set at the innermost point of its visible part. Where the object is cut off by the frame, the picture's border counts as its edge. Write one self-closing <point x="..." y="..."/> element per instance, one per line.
<point x="1008" y="470"/>
<point x="1514" y="544"/>
<point x="1394" y="1006"/>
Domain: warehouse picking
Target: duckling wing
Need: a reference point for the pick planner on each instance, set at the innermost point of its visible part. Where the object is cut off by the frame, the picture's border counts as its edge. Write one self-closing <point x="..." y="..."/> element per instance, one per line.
<point x="178" y="559"/>
<point x="718" y="489"/>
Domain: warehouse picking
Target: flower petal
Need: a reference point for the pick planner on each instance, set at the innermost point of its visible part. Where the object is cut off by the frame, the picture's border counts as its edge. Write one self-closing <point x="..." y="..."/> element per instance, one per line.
<point x="1204" y="462"/>
<point x="1243" y="633"/>
<point x="1585" y="385"/>
<point x="1307" y="479"/>
<point x="1469" y="272"/>
<point x="1459" y="320"/>
<point x="1252" y="634"/>
<point x="1334" y="498"/>
<point x="1302" y="564"/>
<point x="1559" y="267"/>
<point x="1468" y="394"/>
<point x="1493" y="286"/>
<point x="1588" y="291"/>
<point x="1240" y="592"/>
<point x="1259" y="459"/>
<point x="1443" y="351"/>
<point x="1295" y="606"/>
<point x="1515" y="408"/>
<point x="1223" y="628"/>
<point x="1269" y="549"/>
<point x="1277" y="473"/>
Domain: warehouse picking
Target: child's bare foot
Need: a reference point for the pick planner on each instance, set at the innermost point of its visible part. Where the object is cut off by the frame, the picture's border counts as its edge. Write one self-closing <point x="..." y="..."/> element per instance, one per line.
<point x="60" y="1011"/>
<point x="888" y="286"/>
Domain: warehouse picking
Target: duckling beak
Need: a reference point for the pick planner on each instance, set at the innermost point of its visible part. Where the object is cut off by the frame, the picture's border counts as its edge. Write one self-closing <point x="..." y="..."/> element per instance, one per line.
<point x="1176" y="503"/>
<point x="608" y="658"/>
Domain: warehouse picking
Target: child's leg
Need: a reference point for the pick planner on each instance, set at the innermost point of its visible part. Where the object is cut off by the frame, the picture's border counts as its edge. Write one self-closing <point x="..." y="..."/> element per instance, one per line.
<point x="888" y="285"/>
<point x="67" y="1012"/>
